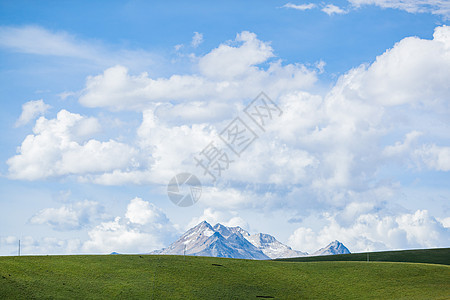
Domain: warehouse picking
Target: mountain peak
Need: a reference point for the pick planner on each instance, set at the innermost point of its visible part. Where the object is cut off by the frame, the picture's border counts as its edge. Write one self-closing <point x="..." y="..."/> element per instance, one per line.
<point x="332" y="248"/>
<point x="222" y="229"/>
<point x="235" y="242"/>
<point x="203" y="223"/>
<point x="201" y="227"/>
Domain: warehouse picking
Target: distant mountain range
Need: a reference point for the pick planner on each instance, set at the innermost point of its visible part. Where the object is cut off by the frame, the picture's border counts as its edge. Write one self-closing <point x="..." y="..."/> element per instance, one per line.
<point x="235" y="242"/>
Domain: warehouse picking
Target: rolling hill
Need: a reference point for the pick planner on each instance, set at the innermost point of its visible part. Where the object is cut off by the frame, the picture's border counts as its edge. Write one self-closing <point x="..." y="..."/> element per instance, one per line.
<point x="193" y="277"/>
<point x="429" y="256"/>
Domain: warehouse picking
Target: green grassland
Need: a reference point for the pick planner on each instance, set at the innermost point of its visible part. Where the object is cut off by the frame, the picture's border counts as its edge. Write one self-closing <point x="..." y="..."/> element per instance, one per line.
<point x="429" y="256"/>
<point x="178" y="277"/>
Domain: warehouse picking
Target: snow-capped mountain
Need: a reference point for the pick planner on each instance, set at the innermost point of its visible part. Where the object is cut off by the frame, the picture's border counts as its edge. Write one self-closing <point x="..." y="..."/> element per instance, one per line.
<point x="220" y="241"/>
<point x="235" y="242"/>
<point x="273" y="248"/>
<point x="332" y="248"/>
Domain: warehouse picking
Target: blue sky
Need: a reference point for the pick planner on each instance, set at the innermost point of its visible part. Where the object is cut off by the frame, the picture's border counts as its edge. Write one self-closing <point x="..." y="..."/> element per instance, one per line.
<point x="103" y="103"/>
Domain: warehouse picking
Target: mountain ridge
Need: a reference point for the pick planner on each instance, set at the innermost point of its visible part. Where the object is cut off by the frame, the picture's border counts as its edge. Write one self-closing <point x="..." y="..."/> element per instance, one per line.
<point x="234" y="242"/>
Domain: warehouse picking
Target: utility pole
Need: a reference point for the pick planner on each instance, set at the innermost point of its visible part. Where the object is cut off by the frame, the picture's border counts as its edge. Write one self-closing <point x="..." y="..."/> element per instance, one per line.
<point x="367" y="256"/>
<point x="19" y="247"/>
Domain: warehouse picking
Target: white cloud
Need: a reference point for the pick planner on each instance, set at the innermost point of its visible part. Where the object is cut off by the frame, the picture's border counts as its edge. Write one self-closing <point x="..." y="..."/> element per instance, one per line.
<point x="39" y="246"/>
<point x="212" y="216"/>
<point x="144" y="228"/>
<point x="40" y="41"/>
<point x="230" y="62"/>
<point x="434" y="157"/>
<point x="49" y="245"/>
<point x="444" y="221"/>
<point x="400" y="148"/>
<point x="37" y="40"/>
<point x="9" y="240"/>
<point x="197" y="39"/>
<point x="62" y="218"/>
<point x="304" y="239"/>
<point x="137" y="232"/>
<point x="69" y="217"/>
<point x="414" y="71"/>
<point x="300" y="6"/>
<point x="331" y="9"/>
<point x="31" y="110"/>
<point x="143" y="212"/>
<point x="118" y="236"/>
<point x="230" y="72"/>
<point x="232" y="198"/>
<point x="438" y="7"/>
<point x="59" y="147"/>
<point x="168" y="151"/>
<point x="66" y="94"/>
<point x="372" y="231"/>
<point x="326" y="149"/>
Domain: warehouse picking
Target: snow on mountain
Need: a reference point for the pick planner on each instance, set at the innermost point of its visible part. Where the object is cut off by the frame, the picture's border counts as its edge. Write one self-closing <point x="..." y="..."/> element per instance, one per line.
<point x="266" y="243"/>
<point x="273" y="248"/>
<point x="227" y="231"/>
<point x="220" y="241"/>
<point x="190" y="241"/>
<point x="332" y="248"/>
<point x="235" y="242"/>
<point x="244" y="247"/>
<point x="216" y="246"/>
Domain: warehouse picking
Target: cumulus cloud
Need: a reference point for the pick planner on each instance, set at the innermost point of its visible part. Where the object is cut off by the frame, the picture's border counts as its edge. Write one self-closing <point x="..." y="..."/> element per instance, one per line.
<point x="401" y="147"/>
<point x="330" y="141"/>
<point x="169" y="150"/>
<point x="227" y="61"/>
<point x="373" y="231"/>
<point x="231" y="71"/>
<point x="323" y="151"/>
<point x="414" y="71"/>
<point x="144" y="228"/>
<point x="70" y="217"/>
<point x="31" y="110"/>
<point x="142" y="212"/>
<point x="59" y="147"/>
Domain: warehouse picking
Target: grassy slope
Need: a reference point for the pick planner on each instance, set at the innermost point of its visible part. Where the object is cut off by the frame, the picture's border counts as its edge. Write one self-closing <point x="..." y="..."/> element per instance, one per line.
<point x="430" y="256"/>
<point x="172" y="277"/>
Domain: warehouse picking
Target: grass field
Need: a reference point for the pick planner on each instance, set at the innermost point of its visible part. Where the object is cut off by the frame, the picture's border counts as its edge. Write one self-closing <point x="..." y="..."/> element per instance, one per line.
<point x="176" y="277"/>
<point x="430" y="256"/>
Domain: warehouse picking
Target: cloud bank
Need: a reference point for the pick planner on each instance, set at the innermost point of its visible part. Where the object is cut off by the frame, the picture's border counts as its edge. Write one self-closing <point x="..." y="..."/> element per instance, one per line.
<point x="322" y="151"/>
